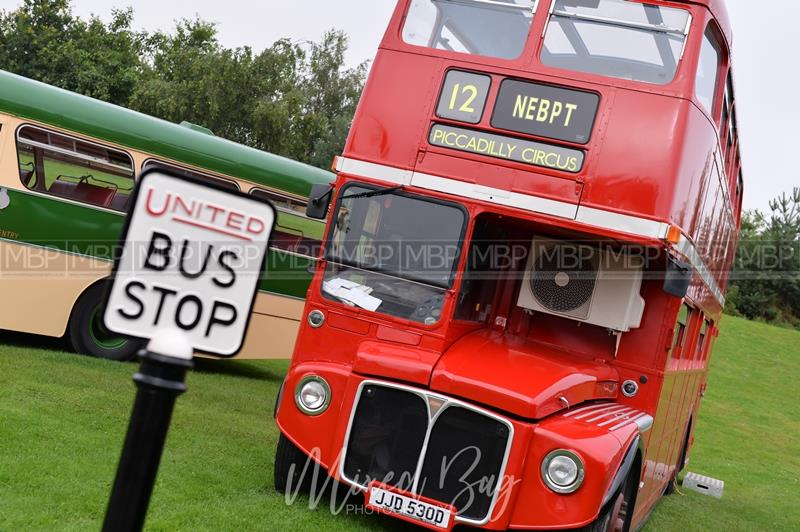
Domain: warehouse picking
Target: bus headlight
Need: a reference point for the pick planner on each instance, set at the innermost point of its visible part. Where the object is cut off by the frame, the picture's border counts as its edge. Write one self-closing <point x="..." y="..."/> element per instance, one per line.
<point x="312" y="395"/>
<point x="562" y="471"/>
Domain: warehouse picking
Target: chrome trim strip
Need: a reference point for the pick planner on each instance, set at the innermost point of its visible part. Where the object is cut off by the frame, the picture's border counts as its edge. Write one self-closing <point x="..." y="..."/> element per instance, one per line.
<point x="627" y="421"/>
<point x="602" y="219"/>
<point x="605" y="408"/>
<point x="618" y="411"/>
<point x="374" y="171"/>
<point x="585" y="409"/>
<point x="645" y="423"/>
<point x="625" y="414"/>
<point x="448" y="403"/>
<point x="507" y="198"/>
<point x="623" y="223"/>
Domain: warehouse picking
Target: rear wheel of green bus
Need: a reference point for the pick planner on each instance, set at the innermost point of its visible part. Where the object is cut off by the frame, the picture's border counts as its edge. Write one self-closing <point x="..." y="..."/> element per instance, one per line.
<point x="90" y="337"/>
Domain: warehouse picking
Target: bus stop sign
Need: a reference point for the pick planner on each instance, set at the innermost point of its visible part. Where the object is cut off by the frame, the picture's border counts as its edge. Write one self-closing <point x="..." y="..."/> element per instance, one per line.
<point x="191" y="259"/>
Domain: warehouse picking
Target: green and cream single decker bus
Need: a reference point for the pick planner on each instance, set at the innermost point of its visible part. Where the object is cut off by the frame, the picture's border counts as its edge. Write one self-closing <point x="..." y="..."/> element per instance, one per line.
<point x="68" y="166"/>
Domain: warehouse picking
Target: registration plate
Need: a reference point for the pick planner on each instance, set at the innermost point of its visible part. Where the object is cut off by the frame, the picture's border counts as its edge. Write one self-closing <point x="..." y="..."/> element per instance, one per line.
<point x="431" y="514"/>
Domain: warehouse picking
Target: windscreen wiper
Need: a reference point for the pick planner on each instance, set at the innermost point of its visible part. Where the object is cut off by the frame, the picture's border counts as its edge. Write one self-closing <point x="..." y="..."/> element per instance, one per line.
<point x="374" y="193"/>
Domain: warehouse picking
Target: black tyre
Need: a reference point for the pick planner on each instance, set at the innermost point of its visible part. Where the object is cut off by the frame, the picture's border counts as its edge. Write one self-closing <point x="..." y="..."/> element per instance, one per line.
<point x="617" y="515"/>
<point x="89" y="336"/>
<point x="290" y="462"/>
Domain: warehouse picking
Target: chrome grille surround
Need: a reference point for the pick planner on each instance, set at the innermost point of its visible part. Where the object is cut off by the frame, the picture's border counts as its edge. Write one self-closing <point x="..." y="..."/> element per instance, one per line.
<point x="446" y="403"/>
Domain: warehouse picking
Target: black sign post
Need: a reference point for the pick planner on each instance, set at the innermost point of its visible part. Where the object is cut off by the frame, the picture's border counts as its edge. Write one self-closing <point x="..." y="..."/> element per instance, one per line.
<point x="159" y="382"/>
<point x="182" y="306"/>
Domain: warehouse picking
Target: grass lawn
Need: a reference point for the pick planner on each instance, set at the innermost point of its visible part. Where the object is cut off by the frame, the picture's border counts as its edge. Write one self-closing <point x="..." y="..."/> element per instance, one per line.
<point x="63" y="418"/>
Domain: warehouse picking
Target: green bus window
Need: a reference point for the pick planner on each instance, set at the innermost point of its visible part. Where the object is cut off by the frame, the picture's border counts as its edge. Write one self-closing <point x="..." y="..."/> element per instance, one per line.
<point x="152" y="164"/>
<point x="74" y="169"/>
<point x="294" y="232"/>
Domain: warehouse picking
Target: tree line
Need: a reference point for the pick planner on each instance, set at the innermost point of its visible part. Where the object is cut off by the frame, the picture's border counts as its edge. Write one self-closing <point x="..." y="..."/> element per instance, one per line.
<point x="297" y="100"/>
<point x="766" y="277"/>
<point x="292" y="99"/>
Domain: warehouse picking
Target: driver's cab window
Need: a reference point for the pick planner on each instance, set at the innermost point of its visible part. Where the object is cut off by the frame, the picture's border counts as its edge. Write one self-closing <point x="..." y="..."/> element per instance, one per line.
<point x="74" y="169"/>
<point x="491" y="28"/>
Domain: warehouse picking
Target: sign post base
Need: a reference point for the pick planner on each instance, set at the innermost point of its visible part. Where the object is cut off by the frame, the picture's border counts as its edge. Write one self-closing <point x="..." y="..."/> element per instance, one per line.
<point x="159" y="382"/>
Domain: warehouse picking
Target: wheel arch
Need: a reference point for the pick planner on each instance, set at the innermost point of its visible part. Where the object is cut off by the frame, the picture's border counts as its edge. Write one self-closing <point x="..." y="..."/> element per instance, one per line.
<point x="631" y="465"/>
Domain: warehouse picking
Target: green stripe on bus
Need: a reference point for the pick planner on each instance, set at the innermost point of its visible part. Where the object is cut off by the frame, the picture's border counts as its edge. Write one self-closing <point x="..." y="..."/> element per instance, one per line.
<point x="55" y="224"/>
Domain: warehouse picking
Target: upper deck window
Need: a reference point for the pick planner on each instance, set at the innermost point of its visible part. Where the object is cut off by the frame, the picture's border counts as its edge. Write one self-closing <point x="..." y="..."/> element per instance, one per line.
<point x="708" y="70"/>
<point x="616" y="38"/>
<point x="492" y="28"/>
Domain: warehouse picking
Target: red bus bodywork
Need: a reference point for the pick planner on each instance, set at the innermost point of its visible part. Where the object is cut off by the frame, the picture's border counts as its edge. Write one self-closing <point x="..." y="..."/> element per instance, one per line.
<point x="648" y="180"/>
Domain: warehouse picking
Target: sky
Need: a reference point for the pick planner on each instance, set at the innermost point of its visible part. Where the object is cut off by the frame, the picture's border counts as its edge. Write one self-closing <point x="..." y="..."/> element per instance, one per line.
<point x="767" y="77"/>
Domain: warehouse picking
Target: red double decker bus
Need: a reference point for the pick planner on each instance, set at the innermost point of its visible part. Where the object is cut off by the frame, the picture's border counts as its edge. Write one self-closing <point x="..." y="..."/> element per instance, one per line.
<point x="525" y="264"/>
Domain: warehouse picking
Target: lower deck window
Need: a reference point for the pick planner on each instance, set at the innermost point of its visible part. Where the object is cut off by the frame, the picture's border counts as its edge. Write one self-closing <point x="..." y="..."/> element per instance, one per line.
<point x="74" y="169"/>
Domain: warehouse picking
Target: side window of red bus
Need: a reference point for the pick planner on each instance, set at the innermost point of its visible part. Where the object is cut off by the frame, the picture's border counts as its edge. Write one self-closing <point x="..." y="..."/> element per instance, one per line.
<point x="708" y="70"/>
<point x="294" y="232"/>
<point x="739" y="191"/>
<point x="681" y="330"/>
<point x="74" y="169"/>
<point x="151" y="164"/>
<point x="703" y="341"/>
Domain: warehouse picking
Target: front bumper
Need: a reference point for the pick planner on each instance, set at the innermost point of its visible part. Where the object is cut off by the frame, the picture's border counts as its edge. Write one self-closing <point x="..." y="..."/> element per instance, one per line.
<point x="487" y="465"/>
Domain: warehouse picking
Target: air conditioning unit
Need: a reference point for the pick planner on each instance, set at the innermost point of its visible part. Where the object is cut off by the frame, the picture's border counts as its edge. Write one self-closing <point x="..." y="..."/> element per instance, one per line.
<point x="584" y="283"/>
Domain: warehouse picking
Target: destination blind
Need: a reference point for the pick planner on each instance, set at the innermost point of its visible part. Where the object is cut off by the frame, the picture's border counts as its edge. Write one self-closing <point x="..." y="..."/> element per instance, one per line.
<point x="545" y="111"/>
<point x="508" y="148"/>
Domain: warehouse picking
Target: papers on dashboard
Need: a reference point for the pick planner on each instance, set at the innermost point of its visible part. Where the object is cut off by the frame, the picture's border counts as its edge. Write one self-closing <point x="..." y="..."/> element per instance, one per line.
<point x="352" y="293"/>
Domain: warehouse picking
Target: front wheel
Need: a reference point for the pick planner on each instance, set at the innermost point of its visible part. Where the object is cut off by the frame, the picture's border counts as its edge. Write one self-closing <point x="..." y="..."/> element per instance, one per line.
<point x="89" y="336"/>
<point x="293" y="469"/>
<point x="617" y="515"/>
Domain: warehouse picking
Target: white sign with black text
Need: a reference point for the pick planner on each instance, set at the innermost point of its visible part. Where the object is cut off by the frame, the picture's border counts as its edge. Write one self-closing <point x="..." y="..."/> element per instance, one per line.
<point x="192" y="258"/>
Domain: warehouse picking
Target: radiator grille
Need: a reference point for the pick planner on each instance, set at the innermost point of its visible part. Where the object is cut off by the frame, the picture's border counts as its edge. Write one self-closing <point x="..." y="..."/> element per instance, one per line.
<point x="386" y="437"/>
<point x="469" y="449"/>
<point x="461" y="464"/>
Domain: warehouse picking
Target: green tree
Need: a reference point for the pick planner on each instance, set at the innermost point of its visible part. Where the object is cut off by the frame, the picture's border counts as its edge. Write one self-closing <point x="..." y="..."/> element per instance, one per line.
<point x="292" y="99"/>
<point x="766" y="279"/>
<point x="289" y="99"/>
<point x="42" y="40"/>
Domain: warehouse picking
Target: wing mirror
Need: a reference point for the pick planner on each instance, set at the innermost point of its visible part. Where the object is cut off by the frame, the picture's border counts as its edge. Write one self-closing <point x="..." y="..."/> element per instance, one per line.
<point x="319" y="201"/>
